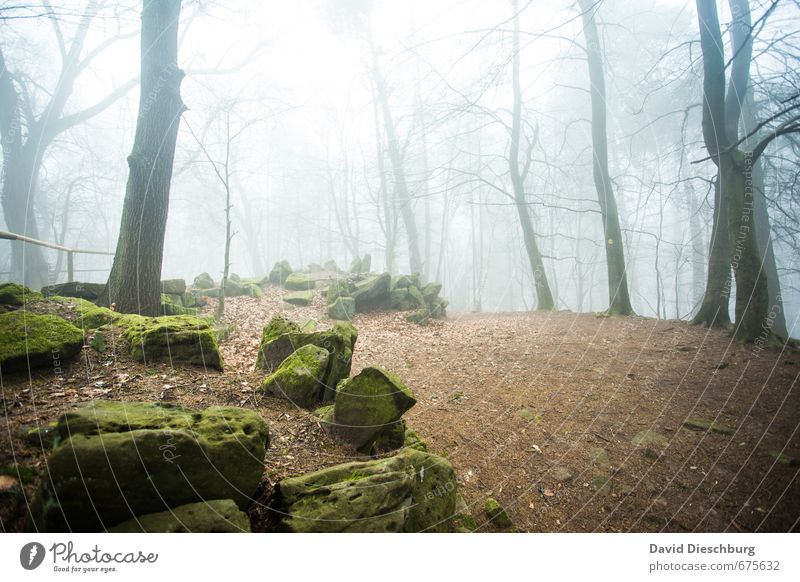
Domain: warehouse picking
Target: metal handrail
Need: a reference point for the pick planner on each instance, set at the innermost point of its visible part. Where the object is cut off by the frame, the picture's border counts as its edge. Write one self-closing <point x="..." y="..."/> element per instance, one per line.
<point x="70" y="252"/>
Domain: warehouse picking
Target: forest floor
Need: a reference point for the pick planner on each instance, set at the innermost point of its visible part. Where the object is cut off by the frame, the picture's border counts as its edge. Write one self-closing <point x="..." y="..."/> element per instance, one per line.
<point x="538" y="410"/>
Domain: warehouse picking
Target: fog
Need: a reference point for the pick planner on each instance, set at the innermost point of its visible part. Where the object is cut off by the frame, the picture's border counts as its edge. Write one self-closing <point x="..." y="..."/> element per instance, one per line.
<point x="288" y="94"/>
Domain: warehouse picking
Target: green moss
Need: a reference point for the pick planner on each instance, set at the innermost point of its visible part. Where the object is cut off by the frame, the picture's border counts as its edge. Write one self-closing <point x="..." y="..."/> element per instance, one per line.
<point x="177" y="338"/>
<point x="21" y="472"/>
<point x="299" y="282"/>
<point x="300" y="378"/>
<point x="280" y="272"/>
<point x="338" y="288"/>
<point x="215" y="516"/>
<point x="97" y="317"/>
<point x="14" y="295"/>
<point x="36" y="340"/>
<point x="497" y="513"/>
<point x="412" y="440"/>
<point x="301" y="298"/>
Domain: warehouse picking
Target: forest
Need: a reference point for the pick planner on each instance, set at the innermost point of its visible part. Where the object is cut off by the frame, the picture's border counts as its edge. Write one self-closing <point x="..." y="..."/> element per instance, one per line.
<point x="374" y="266"/>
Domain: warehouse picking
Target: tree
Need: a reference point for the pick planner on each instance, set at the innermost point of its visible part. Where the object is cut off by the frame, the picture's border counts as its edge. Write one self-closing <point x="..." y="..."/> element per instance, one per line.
<point x="619" y="302"/>
<point x="134" y="281"/>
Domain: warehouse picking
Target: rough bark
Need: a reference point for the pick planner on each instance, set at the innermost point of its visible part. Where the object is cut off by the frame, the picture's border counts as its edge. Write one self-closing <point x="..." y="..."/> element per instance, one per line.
<point x="619" y="302"/>
<point x="134" y="282"/>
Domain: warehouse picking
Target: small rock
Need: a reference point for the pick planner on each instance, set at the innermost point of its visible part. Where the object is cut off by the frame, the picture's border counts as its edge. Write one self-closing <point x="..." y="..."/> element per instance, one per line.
<point x="497" y="513"/>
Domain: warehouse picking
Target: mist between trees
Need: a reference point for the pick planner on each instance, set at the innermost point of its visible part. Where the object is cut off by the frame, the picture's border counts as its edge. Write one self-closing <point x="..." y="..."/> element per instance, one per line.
<point x="592" y="155"/>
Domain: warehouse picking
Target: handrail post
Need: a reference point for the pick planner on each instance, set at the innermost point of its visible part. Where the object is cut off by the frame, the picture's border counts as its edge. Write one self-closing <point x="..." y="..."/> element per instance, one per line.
<point x="70" y="268"/>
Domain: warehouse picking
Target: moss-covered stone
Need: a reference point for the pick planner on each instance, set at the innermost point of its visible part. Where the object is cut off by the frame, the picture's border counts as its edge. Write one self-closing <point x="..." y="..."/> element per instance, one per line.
<point x="412" y="440"/>
<point x="301" y="377"/>
<point x="438" y="308"/>
<point x="372" y="292"/>
<point x="33" y="341"/>
<point x="114" y="461"/>
<point x="419" y="316"/>
<point x="299" y="282"/>
<point x="252" y="289"/>
<point x="497" y="513"/>
<point x="13" y="295"/>
<point x="203" y="281"/>
<point x="355" y="265"/>
<point x="88" y="291"/>
<point x="701" y="425"/>
<point x="368" y="408"/>
<point x="338" y="288"/>
<point x="412" y="491"/>
<point x="431" y="292"/>
<point x="173" y="286"/>
<point x="178" y="338"/>
<point x="331" y="266"/>
<point x="301" y="298"/>
<point x="343" y="309"/>
<point x="96" y="317"/>
<point x="215" y="516"/>
<point x="280" y="272"/>
<point x="282" y="337"/>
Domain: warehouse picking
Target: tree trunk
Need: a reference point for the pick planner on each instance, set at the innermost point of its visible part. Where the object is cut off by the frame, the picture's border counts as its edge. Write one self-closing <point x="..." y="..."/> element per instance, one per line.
<point x="544" y="296"/>
<point x="134" y="281"/>
<point x="619" y="302"/>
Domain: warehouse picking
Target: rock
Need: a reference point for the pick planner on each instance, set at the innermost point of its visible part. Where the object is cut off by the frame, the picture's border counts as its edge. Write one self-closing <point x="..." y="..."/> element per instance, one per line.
<point x="236" y="278"/>
<point x="88" y="291"/>
<point x="416" y="297"/>
<point x="40" y="437"/>
<point x="298" y="282"/>
<point x="368" y="408"/>
<point x="419" y="316"/>
<point x="36" y="341"/>
<point x="279" y="273"/>
<point x="301" y="298"/>
<point x="366" y="263"/>
<point x="252" y="290"/>
<point x="784" y="459"/>
<point x="331" y="266"/>
<point x="234" y="288"/>
<point x="344" y="309"/>
<point x="339" y="288"/>
<point x="174" y="286"/>
<point x="13" y="295"/>
<point x="96" y="317"/>
<point x="178" y="338"/>
<point x="282" y="337"/>
<point x="497" y="513"/>
<point x="439" y="308"/>
<point x="412" y="491"/>
<point x="215" y="516"/>
<point x="412" y="440"/>
<point x="12" y="499"/>
<point x="372" y="292"/>
<point x="355" y="266"/>
<point x="203" y="281"/>
<point x="401" y="282"/>
<point x="400" y="300"/>
<point x="301" y="377"/>
<point x="707" y="426"/>
<point x="431" y="292"/>
<point x="599" y="457"/>
<point x="151" y="455"/>
<point x="315" y="268"/>
<point x="652" y="444"/>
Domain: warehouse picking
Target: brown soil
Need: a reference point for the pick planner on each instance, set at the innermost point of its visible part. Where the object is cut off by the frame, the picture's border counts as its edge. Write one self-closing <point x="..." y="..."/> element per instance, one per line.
<point x="537" y="410"/>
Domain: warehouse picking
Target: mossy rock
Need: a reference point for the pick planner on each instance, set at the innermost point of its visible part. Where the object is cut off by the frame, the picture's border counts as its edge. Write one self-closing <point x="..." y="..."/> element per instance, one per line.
<point x="114" y="461"/>
<point x="497" y="513"/>
<point x="300" y="379"/>
<point x="401" y="282"/>
<point x="439" y="308"/>
<point x="372" y="292"/>
<point x="412" y="440"/>
<point x="174" y="309"/>
<point x="338" y="288"/>
<point x="88" y="291"/>
<point x="279" y="273"/>
<point x="401" y="300"/>
<point x="299" y="282"/>
<point x="252" y="289"/>
<point x="173" y="286"/>
<point x="301" y="298"/>
<point x="282" y="337"/>
<point x="343" y="309"/>
<point x="355" y="265"/>
<point x="34" y="341"/>
<point x="215" y="516"/>
<point x="203" y="281"/>
<point x="172" y="298"/>
<point x="368" y="408"/>
<point x="701" y="425"/>
<point x="411" y="491"/>
<point x="431" y="292"/>
<point x="419" y="316"/>
<point x="13" y="295"/>
<point x="178" y="338"/>
<point x="97" y="317"/>
<point x="41" y="436"/>
<point x="331" y="266"/>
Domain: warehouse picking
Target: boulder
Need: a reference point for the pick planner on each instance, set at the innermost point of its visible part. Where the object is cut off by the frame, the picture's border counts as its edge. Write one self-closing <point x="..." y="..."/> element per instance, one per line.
<point x="203" y="281"/>
<point x="339" y="288"/>
<point x="88" y="291"/>
<point x="372" y="292"/>
<point x="343" y="309"/>
<point x="401" y="300"/>
<point x="281" y="338"/>
<point x="301" y="377"/>
<point x="368" y="409"/>
<point x="252" y="290"/>
<point x="215" y="516"/>
<point x="416" y="296"/>
<point x="298" y="282"/>
<point x="411" y="491"/>
<point x="431" y="292"/>
<point x="419" y="316"/>
<point x="366" y="263"/>
<point x="355" y="265"/>
<point x="279" y="273"/>
<point x="439" y="308"/>
<point x="177" y="338"/>
<point x="35" y="341"/>
<point x="497" y="513"/>
<point x="331" y="266"/>
<point x="173" y="286"/>
<point x="234" y="288"/>
<point x="114" y="461"/>
<point x="96" y="317"/>
<point x="13" y="295"/>
<point x="235" y="277"/>
<point x="301" y="298"/>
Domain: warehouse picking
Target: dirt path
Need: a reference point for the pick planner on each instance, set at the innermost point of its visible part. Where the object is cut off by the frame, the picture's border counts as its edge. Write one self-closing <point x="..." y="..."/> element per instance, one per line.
<point x="536" y="410"/>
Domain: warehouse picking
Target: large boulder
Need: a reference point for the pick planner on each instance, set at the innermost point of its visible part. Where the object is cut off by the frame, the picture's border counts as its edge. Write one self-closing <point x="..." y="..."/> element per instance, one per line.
<point x="412" y="491"/>
<point x="367" y="410"/>
<point x="13" y="295"/>
<point x="282" y="337"/>
<point x="299" y="282"/>
<point x="372" y="292"/>
<point x="301" y="377"/>
<point x="203" y="281"/>
<point x="178" y="338"/>
<point x="301" y="298"/>
<point x="173" y="286"/>
<point x="34" y="341"/>
<point x="280" y="272"/>
<point x="114" y="461"/>
<point x="88" y="291"/>
<point x="338" y="288"/>
<point x="216" y="516"/>
<point x="343" y="309"/>
<point x="331" y="266"/>
<point x="431" y="292"/>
